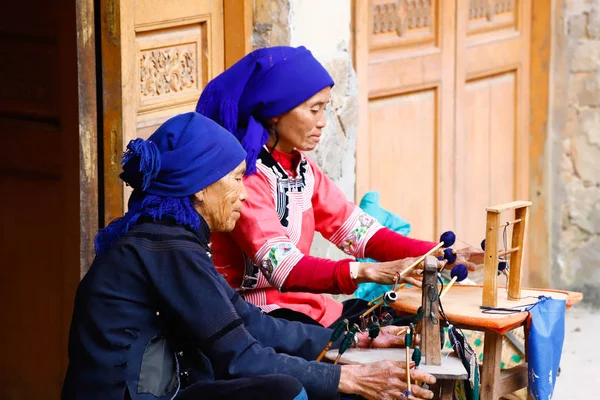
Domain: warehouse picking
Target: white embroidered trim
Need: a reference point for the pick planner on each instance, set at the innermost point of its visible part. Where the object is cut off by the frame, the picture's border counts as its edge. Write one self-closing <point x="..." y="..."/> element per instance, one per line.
<point x="276" y="259"/>
<point x="355" y="232"/>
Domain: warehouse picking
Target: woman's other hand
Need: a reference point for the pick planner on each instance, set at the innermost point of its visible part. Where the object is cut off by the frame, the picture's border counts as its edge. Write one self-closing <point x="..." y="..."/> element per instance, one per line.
<point x="387" y="338"/>
<point x="385" y="272"/>
<point x="383" y="380"/>
<point x="469" y="256"/>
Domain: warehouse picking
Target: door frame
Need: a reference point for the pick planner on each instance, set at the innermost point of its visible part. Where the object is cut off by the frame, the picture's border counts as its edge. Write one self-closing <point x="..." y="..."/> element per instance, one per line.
<point x="538" y="249"/>
<point x="237" y="21"/>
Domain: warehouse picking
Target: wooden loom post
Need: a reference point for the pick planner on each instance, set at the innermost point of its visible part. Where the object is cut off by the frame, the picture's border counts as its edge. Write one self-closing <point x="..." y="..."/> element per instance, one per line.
<point x="490" y="270"/>
<point x="430" y="330"/>
<point x="519" y="237"/>
<point x="493" y="227"/>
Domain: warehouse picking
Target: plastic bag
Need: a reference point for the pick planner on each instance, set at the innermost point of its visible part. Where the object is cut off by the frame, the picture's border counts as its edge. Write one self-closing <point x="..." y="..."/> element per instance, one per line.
<point x="370" y="204"/>
<point x="545" y="343"/>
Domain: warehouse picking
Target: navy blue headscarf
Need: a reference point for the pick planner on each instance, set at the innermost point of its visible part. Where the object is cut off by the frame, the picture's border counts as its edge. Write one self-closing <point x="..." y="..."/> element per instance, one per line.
<point x="186" y="154"/>
<point x="264" y="84"/>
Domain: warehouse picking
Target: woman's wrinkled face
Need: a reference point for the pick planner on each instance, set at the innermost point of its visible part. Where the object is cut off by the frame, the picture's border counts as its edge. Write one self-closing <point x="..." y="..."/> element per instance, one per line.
<point x="301" y="127"/>
<point x="221" y="203"/>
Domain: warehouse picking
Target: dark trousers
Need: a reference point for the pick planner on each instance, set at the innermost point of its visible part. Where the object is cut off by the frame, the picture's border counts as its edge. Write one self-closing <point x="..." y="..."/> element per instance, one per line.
<point x="266" y="387"/>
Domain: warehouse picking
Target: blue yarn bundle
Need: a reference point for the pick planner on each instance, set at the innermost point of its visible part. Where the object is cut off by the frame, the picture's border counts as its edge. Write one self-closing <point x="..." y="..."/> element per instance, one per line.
<point x="186" y="154"/>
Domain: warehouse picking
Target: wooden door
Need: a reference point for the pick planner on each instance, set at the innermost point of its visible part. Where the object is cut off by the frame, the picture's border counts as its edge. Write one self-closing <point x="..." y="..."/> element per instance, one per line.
<point x="445" y="88"/>
<point x="492" y="109"/>
<point x="157" y="55"/>
<point x="47" y="126"/>
<point x="405" y="63"/>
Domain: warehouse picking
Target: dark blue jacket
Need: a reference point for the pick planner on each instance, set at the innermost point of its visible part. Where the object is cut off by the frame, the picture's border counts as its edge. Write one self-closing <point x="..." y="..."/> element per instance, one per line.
<point x="154" y="298"/>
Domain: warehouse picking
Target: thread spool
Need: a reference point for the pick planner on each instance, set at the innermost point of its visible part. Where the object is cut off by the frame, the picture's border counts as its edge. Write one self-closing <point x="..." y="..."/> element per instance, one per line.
<point x="502" y="265"/>
<point x="373" y="331"/>
<point x="347" y="342"/>
<point x="416" y="355"/>
<point x="406" y="394"/>
<point x="390" y="297"/>
<point x="459" y="273"/>
<point x="450" y="256"/>
<point x="337" y="332"/>
<point x="448" y="238"/>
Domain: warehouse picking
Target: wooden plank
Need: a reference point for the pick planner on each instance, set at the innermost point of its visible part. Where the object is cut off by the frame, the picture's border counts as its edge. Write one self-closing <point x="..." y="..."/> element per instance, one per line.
<point x="490" y="378"/>
<point x="538" y="252"/>
<point x="360" y="54"/>
<point x="430" y="327"/>
<point x="490" y="269"/>
<point x="88" y="135"/>
<point x="519" y="238"/>
<point x="446" y="147"/>
<point x="463" y="307"/>
<point x="237" y="25"/>
<point x="451" y="367"/>
<point x="508" y="206"/>
<point x="522" y="156"/>
<point x="499" y="56"/>
<point x="513" y="379"/>
<point x="436" y="388"/>
<point x="112" y="133"/>
<point x="447" y="389"/>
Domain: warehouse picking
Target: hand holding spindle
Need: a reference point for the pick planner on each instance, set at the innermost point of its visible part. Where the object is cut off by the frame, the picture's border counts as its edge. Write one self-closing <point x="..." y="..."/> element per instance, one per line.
<point x="459" y="273"/>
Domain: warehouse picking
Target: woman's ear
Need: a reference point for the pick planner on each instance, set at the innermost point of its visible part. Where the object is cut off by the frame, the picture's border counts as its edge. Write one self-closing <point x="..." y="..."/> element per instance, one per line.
<point x="273" y="121"/>
<point x="200" y="196"/>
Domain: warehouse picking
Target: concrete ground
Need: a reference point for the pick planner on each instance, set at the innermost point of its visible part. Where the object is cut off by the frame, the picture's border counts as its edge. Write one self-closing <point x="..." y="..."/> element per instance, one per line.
<point x="580" y="361"/>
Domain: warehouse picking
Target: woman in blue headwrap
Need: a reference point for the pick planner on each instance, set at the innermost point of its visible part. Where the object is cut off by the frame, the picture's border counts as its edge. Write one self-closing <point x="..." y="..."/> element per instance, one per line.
<point x="154" y="320"/>
<point x="273" y="100"/>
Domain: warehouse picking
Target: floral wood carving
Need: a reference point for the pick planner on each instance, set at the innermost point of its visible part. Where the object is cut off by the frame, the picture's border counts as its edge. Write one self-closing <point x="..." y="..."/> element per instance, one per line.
<point x="402" y="16"/>
<point x="385" y="17"/>
<point x="413" y="15"/>
<point x="489" y="8"/>
<point x="167" y="70"/>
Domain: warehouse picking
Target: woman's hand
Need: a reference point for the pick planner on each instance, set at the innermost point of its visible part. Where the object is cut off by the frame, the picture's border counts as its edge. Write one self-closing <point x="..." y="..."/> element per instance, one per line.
<point x="469" y="256"/>
<point x="385" y="272"/>
<point x="387" y="338"/>
<point x="383" y="380"/>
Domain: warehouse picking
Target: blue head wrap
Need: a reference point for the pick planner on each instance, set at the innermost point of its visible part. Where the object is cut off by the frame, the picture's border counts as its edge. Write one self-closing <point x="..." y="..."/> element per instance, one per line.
<point x="186" y="154"/>
<point x="264" y="84"/>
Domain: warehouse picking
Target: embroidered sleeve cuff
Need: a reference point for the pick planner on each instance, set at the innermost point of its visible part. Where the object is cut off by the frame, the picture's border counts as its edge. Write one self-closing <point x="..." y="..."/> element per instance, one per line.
<point x="276" y="259"/>
<point x="354" y="234"/>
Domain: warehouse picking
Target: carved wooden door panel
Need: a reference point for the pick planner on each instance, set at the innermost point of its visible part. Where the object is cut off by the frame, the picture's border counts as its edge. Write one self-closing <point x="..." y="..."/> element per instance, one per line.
<point x="492" y="115"/>
<point x="157" y="55"/>
<point x="406" y="153"/>
<point x="446" y="131"/>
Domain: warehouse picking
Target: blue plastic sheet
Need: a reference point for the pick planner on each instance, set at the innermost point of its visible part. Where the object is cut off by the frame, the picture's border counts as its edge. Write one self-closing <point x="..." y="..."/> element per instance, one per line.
<point x="545" y="343"/>
<point x="370" y="205"/>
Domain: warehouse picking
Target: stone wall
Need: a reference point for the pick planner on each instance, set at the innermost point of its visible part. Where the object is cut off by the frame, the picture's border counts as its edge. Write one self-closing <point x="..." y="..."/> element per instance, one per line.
<point x="574" y="132"/>
<point x="309" y="23"/>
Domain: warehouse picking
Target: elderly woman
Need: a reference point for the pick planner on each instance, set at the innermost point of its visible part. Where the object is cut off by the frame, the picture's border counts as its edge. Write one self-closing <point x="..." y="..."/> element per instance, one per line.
<point x="273" y="101"/>
<point x="153" y="295"/>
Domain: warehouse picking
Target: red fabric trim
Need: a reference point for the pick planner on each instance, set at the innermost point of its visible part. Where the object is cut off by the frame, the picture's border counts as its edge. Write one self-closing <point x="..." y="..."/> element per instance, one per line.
<point x="288" y="161"/>
<point x="318" y="275"/>
<point x="387" y="245"/>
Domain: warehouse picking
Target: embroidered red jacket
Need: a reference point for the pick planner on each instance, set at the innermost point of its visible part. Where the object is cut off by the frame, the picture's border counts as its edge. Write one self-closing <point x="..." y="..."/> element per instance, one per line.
<point x="266" y="257"/>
